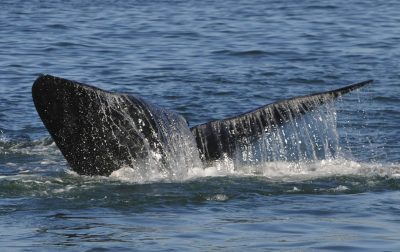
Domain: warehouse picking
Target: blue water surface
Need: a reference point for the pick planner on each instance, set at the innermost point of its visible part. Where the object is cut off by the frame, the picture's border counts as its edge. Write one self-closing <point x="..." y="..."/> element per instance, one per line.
<point x="205" y="60"/>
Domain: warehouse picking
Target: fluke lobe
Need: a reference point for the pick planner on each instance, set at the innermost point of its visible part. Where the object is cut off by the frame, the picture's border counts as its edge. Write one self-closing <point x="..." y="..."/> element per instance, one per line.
<point x="99" y="132"/>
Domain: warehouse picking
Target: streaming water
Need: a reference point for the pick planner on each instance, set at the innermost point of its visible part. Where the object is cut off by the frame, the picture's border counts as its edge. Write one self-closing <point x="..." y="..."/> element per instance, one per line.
<point x="170" y="158"/>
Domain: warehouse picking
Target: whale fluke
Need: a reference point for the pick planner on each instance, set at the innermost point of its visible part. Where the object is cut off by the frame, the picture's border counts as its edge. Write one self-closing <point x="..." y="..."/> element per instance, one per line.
<point x="221" y="137"/>
<point x="99" y="132"/>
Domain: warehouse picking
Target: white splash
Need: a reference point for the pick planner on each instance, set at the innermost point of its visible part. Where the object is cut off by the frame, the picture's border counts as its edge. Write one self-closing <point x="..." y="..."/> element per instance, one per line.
<point x="305" y="148"/>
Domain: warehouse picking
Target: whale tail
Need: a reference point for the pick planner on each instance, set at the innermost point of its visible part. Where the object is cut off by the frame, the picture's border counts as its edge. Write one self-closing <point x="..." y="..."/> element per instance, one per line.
<point x="99" y="132"/>
<point x="220" y="138"/>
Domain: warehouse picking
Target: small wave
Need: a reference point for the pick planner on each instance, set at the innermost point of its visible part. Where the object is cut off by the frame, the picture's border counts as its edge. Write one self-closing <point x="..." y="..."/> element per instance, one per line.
<point x="269" y="73"/>
<point x="28" y="146"/>
<point x="274" y="171"/>
<point x="300" y="171"/>
<point x="217" y="197"/>
<point x="182" y="34"/>
<point x="386" y="99"/>
<point x="66" y="44"/>
<point x="340" y="188"/>
<point x="57" y="26"/>
<point x="306" y="81"/>
<point x="250" y="53"/>
<point x="218" y="183"/>
<point x="322" y="7"/>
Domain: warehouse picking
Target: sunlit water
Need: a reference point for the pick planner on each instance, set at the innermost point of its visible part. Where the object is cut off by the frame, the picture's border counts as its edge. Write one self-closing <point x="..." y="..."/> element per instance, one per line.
<point x="333" y="187"/>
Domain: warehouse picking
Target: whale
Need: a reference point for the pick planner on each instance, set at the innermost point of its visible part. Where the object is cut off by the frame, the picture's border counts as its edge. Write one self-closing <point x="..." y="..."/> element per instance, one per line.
<point x="99" y="131"/>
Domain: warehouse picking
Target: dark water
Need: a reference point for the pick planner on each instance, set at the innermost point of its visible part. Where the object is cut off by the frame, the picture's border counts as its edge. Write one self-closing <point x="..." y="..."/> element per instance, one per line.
<point x="205" y="60"/>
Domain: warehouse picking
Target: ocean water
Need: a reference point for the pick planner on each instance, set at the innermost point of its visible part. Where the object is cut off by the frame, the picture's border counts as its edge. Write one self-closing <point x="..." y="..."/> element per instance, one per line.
<point x="205" y="60"/>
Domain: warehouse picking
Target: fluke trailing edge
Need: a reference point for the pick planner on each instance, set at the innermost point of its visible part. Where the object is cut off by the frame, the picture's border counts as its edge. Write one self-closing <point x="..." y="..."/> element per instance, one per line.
<point x="99" y="132"/>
